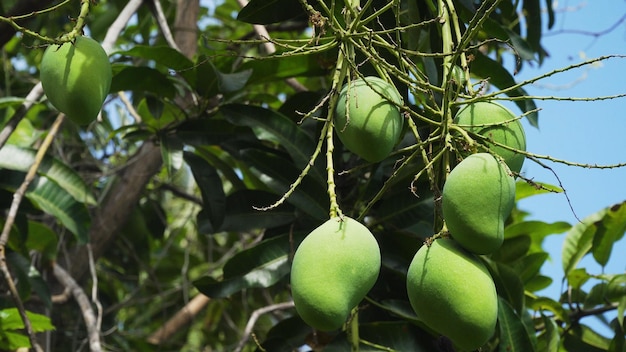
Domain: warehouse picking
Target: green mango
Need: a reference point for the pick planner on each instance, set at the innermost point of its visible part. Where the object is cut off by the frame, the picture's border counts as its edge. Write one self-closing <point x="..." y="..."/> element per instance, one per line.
<point x="333" y="269"/>
<point x="486" y="119"/>
<point x="367" y="124"/>
<point x="478" y="196"/>
<point x="76" y="78"/>
<point x="452" y="292"/>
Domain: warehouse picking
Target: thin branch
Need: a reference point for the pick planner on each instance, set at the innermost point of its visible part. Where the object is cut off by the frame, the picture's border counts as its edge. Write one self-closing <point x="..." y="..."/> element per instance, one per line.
<point x="91" y="322"/>
<point x="157" y="10"/>
<point x="255" y="316"/>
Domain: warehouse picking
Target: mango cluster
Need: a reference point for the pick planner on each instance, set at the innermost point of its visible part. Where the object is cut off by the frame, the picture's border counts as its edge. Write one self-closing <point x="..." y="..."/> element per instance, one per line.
<point x="449" y="287"/>
<point x="333" y="269"/>
<point x="76" y="77"/>
<point x="367" y="118"/>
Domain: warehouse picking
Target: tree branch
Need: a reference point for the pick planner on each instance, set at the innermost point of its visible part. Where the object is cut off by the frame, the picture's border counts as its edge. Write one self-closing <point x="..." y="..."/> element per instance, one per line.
<point x="85" y="307"/>
<point x="180" y="319"/>
<point x="255" y="316"/>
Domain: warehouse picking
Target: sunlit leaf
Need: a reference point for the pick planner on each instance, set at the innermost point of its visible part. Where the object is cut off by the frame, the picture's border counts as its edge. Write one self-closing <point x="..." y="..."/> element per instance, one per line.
<point x="541" y="304"/>
<point x="608" y="231"/>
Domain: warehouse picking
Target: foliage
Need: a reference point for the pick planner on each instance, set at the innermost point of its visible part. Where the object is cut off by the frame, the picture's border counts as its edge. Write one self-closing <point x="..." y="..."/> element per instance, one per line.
<point x="251" y="164"/>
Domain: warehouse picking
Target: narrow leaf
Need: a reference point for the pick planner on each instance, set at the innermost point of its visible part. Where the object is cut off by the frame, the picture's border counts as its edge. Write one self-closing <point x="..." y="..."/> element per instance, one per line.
<point x="264" y="276"/>
<point x="142" y="79"/>
<point x="240" y="214"/>
<point x="549" y="339"/>
<point x="290" y="136"/>
<point x="581" y="338"/>
<point x="211" y="189"/>
<point x="609" y="230"/>
<point x="508" y="284"/>
<point x="513" y="334"/>
<point x="278" y="174"/>
<point x="280" y="67"/>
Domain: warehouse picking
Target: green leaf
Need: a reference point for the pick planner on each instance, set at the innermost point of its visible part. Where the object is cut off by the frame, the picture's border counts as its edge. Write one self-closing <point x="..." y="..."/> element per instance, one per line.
<point x="171" y="153"/>
<point x="541" y="304"/>
<point x="270" y="11"/>
<point x="266" y="251"/>
<point x="54" y="200"/>
<point x="577" y="277"/>
<point x="529" y="266"/>
<point x="163" y="55"/>
<point x="203" y="132"/>
<point x="42" y="239"/>
<point x="142" y="79"/>
<point x="10" y="319"/>
<point x="537" y="230"/>
<point x="549" y="339"/>
<point x="405" y="210"/>
<point x="264" y="276"/>
<point x="279" y="67"/>
<point x="211" y="189"/>
<point x="240" y="214"/>
<point x="508" y="284"/>
<point x="286" y="336"/>
<point x="21" y="159"/>
<point x="7" y="102"/>
<point x="513" y="334"/>
<point x="532" y="13"/>
<point x="292" y="138"/>
<point x="597" y="232"/>
<point x="524" y="189"/>
<point x="512" y="248"/>
<point x="487" y="68"/>
<point x="278" y="174"/>
<point x="581" y="338"/>
<point x="538" y="283"/>
<point x="609" y="230"/>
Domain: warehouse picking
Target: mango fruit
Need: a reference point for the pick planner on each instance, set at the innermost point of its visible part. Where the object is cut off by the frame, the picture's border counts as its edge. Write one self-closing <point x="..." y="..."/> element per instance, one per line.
<point x="486" y="119"/>
<point x="478" y="196"/>
<point x="76" y="78"/>
<point x="367" y="124"/>
<point x="452" y="292"/>
<point x="333" y="269"/>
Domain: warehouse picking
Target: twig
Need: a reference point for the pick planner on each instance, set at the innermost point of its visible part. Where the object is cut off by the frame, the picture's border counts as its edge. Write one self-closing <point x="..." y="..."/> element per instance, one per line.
<point x="4" y="237"/>
<point x="255" y="316"/>
<point x="85" y="307"/>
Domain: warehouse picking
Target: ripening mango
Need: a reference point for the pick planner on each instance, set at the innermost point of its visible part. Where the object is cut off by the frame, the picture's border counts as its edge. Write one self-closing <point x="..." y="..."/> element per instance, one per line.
<point x="367" y="124"/>
<point x="333" y="269"/>
<point x="76" y="78"/>
<point x="487" y="119"/>
<point x="452" y="292"/>
<point x="477" y="198"/>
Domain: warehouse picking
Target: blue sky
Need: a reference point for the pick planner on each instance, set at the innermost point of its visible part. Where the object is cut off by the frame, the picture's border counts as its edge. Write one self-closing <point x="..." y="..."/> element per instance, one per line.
<point x="584" y="132"/>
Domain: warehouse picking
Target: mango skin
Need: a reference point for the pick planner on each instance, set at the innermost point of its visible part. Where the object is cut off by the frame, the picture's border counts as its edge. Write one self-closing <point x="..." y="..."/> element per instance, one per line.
<point x="452" y="292"/>
<point x="511" y="134"/>
<point x="76" y="78"/>
<point x="366" y="123"/>
<point x="478" y="196"/>
<point x="333" y="269"/>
